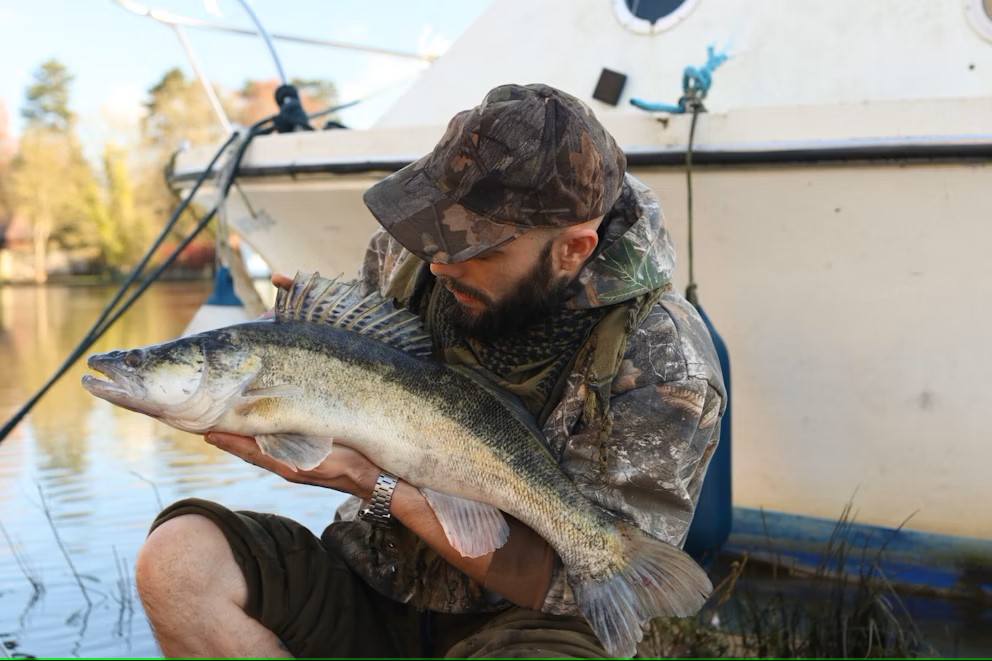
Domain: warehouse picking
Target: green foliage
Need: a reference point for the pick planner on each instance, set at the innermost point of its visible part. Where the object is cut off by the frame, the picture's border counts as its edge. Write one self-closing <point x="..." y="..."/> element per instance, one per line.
<point x="47" y="98"/>
<point x="125" y="230"/>
<point x="51" y="183"/>
<point x="178" y="112"/>
<point x="116" y="211"/>
<point x="6" y="151"/>
<point x="178" y="115"/>
<point x="53" y="186"/>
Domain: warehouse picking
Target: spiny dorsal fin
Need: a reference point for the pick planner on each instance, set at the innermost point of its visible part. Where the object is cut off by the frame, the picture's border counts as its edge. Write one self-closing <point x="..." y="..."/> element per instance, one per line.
<point x="312" y="298"/>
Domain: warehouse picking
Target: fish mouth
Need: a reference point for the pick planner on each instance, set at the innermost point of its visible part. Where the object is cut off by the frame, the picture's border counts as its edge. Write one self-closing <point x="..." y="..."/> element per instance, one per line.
<point x="117" y="388"/>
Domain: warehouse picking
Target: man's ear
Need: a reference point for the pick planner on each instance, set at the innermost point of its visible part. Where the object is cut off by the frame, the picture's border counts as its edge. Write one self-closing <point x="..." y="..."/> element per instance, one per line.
<point x="573" y="247"/>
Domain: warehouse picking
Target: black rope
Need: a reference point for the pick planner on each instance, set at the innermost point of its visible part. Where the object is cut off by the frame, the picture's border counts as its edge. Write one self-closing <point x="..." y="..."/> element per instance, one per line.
<point x="690" y="290"/>
<point x="106" y="319"/>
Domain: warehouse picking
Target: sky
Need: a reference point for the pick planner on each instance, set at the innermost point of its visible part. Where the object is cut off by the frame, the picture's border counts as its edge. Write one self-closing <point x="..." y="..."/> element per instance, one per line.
<point x="117" y="55"/>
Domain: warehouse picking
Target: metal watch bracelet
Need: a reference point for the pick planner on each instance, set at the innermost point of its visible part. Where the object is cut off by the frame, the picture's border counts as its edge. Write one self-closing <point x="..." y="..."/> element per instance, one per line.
<point x="382" y="495"/>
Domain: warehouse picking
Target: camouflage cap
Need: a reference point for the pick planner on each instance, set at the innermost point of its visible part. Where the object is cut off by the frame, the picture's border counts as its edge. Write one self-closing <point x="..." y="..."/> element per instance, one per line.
<point x="527" y="156"/>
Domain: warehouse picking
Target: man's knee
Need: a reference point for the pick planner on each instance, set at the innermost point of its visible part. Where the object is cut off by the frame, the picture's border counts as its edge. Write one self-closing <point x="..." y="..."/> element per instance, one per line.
<point x="187" y="555"/>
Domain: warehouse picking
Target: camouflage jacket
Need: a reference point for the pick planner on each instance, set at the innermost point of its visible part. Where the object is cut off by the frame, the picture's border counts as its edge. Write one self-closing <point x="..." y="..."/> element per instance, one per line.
<point x="635" y="428"/>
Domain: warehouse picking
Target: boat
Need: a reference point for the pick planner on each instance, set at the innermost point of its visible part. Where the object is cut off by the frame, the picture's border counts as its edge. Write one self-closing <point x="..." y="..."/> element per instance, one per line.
<point x="834" y="161"/>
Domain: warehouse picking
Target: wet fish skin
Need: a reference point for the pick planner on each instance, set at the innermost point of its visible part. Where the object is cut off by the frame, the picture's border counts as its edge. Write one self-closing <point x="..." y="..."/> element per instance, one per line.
<point x="296" y="385"/>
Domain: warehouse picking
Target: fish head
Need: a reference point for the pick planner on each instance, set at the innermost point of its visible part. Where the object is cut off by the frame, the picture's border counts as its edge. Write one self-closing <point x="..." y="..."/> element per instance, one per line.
<point x="187" y="383"/>
<point x="151" y="379"/>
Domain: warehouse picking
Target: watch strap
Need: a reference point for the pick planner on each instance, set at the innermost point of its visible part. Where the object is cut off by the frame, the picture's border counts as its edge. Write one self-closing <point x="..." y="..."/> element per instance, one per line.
<point x="377" y="510"/>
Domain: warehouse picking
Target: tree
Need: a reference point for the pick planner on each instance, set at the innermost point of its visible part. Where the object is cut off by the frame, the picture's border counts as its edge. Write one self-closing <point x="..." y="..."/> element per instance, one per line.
<point x="47" y="97"/>
<point x="178" y="114"/>
<point x="51" y="182"/>
<point x="125" y="230"/>
<point x="6" y="152"/>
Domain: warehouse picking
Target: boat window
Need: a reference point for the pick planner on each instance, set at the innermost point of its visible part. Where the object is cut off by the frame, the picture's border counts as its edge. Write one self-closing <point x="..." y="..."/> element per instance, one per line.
<point x="652" y="10"/>
<point x="980" y="16"/>
<point x="651" y="16"/>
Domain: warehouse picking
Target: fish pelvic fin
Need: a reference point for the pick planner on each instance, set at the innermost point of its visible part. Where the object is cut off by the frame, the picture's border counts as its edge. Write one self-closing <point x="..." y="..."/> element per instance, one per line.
<point x="656" y="580"/>
<point x="297" y="451"/>
<point x="472" y="528"/>
<point x="312" y="298"/>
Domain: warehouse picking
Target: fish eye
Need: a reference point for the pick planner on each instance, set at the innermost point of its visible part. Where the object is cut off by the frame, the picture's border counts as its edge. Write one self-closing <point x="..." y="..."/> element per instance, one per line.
<point x="134" y="358"/>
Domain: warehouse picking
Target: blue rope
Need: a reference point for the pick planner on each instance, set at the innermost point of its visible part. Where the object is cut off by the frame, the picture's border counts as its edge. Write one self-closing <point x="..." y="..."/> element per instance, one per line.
<point x="696" y="83"/>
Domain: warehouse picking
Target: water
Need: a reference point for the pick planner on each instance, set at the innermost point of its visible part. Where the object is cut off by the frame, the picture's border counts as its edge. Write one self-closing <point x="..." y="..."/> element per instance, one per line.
<point x="80" y="480"/>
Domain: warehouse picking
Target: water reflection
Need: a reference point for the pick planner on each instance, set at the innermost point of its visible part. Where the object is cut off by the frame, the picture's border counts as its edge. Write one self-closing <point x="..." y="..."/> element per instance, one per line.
<point x="99" y="474"/>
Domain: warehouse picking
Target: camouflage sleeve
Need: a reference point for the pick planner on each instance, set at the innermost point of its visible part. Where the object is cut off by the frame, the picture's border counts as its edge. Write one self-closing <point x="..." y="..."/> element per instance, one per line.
<point x="665" y="411"/>
<point x="381" y="258"/>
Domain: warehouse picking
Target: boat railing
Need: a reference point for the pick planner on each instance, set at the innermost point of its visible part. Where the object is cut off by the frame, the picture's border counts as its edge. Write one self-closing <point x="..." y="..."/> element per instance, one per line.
<point x="178" y="22"/>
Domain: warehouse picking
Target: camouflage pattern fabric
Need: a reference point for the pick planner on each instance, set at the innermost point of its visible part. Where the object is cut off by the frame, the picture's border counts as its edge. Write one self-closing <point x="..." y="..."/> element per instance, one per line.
<point x="527" y="156"/>
<point x="635" y="427"/>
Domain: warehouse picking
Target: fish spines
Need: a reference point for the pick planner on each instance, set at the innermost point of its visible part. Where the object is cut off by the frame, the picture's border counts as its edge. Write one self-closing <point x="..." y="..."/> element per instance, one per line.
<point x="656" y="579"/>
<point x="336" y="302"/>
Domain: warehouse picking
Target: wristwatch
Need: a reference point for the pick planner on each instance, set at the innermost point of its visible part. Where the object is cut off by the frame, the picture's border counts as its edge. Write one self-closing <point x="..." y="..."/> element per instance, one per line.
<point x="382" y="495"/>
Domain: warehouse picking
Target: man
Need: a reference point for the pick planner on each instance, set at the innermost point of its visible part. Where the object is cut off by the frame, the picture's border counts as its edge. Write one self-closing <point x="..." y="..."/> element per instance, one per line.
<point x="535" y="261"/>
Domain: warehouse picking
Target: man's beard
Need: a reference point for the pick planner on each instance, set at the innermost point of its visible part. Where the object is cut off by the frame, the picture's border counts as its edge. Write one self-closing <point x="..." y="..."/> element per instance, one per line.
<point x="534" y="297"/>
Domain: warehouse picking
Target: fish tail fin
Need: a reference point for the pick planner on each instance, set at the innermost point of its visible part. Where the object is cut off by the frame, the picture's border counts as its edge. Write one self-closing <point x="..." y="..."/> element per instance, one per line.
<point x="656" y="579"/>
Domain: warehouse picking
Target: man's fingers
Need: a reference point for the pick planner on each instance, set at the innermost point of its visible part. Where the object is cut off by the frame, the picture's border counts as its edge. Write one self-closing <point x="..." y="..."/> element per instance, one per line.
<point x="244" y="447"/>
<point x="282" y="281"/>
<point x="225" y="440"/>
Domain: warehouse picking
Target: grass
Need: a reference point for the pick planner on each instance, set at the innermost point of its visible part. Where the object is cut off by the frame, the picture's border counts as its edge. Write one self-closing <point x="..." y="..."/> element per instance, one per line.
<point x="768" y="610"/>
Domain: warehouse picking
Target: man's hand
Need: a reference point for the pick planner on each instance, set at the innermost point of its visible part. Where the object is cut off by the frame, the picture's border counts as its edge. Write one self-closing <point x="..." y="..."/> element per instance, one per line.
<point x="344" y="469"/>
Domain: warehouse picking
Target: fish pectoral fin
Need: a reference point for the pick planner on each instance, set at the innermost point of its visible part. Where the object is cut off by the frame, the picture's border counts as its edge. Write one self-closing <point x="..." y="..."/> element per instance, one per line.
<point x="472" y="528"/>
<point x="285" y="390"/>
<point x="297" y="451"/>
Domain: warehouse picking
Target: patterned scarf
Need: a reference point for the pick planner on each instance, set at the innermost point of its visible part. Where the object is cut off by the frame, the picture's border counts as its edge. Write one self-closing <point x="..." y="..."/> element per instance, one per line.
<point x="528" y="363"/>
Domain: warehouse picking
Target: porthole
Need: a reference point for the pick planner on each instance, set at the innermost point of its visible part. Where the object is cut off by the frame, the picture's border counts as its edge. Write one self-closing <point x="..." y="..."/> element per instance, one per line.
<point x="653" y="16"/>
<point x="980" y="16"/>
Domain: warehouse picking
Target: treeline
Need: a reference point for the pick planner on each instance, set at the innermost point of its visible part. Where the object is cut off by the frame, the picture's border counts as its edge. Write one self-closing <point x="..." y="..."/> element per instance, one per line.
<point x="104" y="214"/>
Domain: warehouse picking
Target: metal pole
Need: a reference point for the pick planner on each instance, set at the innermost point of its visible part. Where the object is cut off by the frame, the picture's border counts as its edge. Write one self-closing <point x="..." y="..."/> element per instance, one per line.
<point x="169" y="18"/>
<point x="265" y="37"/>
<point x="207" y="87"/>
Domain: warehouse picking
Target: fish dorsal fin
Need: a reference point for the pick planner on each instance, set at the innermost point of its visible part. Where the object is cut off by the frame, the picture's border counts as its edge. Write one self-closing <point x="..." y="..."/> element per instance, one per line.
<point x="337" y="302"/>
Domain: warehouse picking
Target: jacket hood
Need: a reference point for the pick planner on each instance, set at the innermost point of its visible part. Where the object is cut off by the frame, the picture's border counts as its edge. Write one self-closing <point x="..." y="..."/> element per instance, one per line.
<point x="637" y="254"/>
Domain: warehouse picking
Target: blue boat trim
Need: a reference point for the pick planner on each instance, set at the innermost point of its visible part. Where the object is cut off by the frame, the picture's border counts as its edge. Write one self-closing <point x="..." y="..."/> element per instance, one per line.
<point x="945" y="563"/>
<point x="223" y="292"/>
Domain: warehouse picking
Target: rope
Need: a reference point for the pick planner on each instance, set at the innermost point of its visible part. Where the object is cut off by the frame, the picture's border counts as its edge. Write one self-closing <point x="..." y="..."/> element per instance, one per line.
<point x="690" y="290"/>
<point x="696" y="83"/>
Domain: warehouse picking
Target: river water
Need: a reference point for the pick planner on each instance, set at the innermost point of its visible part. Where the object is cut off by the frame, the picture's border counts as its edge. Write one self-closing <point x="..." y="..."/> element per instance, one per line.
<point x="80" y="480"/>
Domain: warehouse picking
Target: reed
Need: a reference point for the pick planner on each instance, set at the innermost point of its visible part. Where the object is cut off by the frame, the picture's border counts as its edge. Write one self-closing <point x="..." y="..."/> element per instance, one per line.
<point x="765" y="609"/>
<point x="65" y="553"/>
<point x="30" y="573"/>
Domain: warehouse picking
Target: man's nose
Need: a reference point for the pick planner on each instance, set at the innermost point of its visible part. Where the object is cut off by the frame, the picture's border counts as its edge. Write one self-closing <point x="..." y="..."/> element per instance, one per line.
<point x="455" y="270"/>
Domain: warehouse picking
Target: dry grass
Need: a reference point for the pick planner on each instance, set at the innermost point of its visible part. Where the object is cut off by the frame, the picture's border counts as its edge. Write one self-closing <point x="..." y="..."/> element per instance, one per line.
<point x="762" y="610"/>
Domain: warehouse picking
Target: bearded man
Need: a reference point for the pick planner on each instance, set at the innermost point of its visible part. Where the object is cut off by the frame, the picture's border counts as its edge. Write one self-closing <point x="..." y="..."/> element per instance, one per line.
<point x="537" y="262"/>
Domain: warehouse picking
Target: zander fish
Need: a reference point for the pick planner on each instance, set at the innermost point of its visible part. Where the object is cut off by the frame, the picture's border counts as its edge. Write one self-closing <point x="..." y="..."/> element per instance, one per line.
<point x="333" y="365"/>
